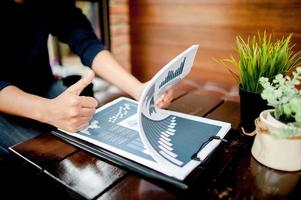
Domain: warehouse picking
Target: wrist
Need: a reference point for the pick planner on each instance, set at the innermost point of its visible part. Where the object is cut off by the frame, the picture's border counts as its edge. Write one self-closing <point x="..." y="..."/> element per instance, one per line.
<point x="43" y="110"/>
<point x="138" y="91"/>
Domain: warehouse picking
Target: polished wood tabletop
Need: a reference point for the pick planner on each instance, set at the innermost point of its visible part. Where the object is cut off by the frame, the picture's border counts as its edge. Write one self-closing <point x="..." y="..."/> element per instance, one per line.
<point x="230" y="173"/>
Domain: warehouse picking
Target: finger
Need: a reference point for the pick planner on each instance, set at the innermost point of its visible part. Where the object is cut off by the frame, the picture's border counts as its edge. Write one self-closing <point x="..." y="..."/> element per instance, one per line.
<point x="88" y="102"/>
<point x="78" y="87"/>
<point x="163" y="104"/>
<point x="161" y="98"/>
<point x="169" y="95"/>
<point x="79" y="121"/>
<point x="87" y="112"/>
<point x="77" y="126"/>
<point x="82" y="126"/>
<point x="84" y="120"/>
<point x="168" y="98"/>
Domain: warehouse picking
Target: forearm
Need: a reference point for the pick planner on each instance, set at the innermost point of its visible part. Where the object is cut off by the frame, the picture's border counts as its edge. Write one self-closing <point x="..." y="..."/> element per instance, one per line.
<point x="68" y="111"/>
<point x="108" y="68"/>
<point x="17" y="102"/>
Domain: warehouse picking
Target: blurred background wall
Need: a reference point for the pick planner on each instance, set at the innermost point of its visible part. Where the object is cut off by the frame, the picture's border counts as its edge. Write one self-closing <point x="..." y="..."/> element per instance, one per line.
<point x="147" y="34"/>
<point x="161" y="29"/>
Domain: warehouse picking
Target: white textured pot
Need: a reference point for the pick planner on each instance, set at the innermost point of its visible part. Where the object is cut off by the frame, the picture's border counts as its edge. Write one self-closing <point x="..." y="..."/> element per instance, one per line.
<point x="281" y="154"/>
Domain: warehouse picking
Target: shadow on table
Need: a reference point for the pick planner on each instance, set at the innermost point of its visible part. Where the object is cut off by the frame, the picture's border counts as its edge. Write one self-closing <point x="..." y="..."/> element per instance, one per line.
<point x="17" y="182"/>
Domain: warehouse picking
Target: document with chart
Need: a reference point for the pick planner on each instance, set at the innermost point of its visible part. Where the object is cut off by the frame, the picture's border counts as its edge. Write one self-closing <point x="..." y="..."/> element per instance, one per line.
<point x="169" y="142"/>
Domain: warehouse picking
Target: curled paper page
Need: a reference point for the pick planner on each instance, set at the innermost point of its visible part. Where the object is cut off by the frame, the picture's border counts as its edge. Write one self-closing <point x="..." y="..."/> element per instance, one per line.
<point x="158" y="127"/>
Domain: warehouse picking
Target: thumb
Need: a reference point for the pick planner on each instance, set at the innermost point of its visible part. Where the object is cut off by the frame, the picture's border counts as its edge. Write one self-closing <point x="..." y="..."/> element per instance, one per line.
<point x="78" y="87"/>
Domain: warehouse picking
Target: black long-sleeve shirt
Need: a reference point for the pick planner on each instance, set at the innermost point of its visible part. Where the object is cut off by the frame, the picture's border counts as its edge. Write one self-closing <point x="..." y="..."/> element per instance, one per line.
<point x="24" y="58"/>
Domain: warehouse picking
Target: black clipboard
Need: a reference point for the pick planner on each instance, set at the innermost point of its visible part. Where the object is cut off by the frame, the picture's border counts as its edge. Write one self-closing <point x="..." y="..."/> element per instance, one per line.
<point x="133" y="166"/>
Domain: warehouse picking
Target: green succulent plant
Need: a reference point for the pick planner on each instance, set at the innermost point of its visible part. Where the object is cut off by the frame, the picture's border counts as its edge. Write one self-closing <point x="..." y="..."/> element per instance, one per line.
<point x="260" y="56"/>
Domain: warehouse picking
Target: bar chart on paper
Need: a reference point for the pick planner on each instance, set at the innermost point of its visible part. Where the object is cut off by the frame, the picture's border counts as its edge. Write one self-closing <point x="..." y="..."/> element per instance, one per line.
<point x="171" y="75"/>
<point x="117" y="126"/>
<point x="170" y="136"/>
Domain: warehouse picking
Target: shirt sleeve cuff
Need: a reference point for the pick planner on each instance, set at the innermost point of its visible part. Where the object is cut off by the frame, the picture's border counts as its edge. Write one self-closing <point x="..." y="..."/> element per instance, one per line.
<point x="4" y="83"/>
<point x="89" y="54"/>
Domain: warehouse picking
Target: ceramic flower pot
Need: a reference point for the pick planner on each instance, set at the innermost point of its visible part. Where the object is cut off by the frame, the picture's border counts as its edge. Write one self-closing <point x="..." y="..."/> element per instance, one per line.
<point x="280" y="154"/>
<point x="251" y="104"/>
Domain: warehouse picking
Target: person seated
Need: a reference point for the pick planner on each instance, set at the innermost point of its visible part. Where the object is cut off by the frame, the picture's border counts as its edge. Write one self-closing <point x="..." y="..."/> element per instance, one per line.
<point x="30" y="96"/>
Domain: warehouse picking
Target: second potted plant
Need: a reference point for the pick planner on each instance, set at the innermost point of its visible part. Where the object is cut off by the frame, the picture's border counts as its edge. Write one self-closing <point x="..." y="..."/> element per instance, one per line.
<point x="259" y="56"/>
<point x="278" y="131"/>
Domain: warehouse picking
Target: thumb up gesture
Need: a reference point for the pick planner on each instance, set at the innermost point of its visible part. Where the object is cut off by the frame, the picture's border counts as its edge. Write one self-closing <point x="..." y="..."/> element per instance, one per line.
<point x="72" y="112"/>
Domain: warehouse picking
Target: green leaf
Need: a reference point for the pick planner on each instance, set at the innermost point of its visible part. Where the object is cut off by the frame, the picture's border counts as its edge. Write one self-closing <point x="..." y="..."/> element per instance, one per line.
<point x="260" y="56"/>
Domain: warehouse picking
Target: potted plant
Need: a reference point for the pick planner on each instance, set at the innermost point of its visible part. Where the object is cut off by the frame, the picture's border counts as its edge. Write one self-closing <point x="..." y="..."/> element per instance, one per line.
<point x="259" y="56"/>
<point x="278" y="131"/>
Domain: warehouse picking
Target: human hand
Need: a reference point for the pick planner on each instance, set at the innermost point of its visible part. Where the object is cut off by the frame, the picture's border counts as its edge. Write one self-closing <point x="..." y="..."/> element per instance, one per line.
<point x="163" y="101"/>
<point x="72" y="112"/>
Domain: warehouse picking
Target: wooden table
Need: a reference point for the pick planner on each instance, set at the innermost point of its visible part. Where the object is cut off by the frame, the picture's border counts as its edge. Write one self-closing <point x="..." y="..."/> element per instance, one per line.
<point x="231" y="173"/>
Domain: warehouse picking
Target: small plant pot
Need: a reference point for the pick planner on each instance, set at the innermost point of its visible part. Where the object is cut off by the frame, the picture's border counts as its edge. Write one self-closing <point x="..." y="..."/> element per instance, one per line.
<point x="276" y="153"/>
<point x="251" y="104"/>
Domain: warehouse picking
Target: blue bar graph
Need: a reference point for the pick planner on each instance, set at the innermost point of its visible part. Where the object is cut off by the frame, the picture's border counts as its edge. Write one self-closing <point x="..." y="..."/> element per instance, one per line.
<point x="173" y="74"/>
